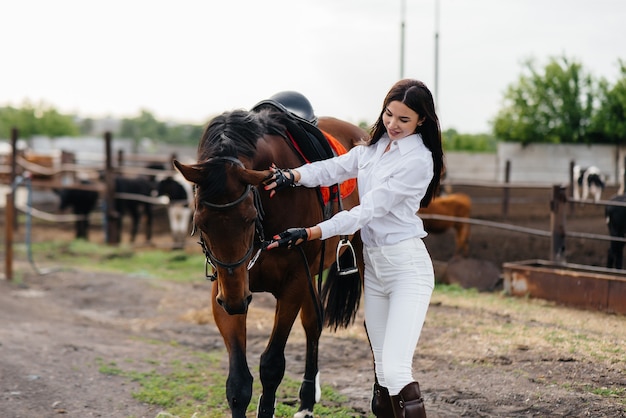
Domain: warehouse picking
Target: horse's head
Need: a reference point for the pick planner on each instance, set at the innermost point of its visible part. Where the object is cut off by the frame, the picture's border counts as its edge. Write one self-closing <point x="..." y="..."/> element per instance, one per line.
<point x="226" y="217"/>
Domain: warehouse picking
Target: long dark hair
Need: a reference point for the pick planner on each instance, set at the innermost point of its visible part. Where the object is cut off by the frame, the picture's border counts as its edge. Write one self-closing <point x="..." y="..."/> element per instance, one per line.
<point x="415" y="95"/>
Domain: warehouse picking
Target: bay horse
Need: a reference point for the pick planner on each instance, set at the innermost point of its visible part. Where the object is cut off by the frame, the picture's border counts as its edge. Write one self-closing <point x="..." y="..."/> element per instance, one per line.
<point x="458" y="205"/>
<point x="234" y="216"/>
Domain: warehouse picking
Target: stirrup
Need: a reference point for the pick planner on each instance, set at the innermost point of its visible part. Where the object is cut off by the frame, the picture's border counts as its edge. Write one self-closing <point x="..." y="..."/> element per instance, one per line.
<point x="345" y="271"/>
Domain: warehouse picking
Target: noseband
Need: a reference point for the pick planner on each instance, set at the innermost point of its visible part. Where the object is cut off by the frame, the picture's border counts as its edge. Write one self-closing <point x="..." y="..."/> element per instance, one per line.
<point x="211" y="260"/>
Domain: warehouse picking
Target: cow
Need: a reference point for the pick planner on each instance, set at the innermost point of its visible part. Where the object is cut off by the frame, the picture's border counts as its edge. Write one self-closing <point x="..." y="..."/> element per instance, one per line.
<point x="588" y="181"/>
<point x="179" y="209"/>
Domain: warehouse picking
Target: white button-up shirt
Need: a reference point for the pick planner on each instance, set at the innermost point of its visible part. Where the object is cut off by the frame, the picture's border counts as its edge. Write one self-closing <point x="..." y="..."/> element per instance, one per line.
<point x="391" y="186"/>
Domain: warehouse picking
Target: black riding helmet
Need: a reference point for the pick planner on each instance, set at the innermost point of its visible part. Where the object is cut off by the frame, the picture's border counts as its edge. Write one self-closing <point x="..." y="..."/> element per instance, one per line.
<point x="293" y="102"/>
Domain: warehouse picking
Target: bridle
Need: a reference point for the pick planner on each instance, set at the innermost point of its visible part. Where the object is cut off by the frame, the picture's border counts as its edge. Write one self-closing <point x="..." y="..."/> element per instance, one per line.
<point x="210" y="259"/>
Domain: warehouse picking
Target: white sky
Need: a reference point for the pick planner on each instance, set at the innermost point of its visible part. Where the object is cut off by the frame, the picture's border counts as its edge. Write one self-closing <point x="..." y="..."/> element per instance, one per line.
<point x="187" y="60"/>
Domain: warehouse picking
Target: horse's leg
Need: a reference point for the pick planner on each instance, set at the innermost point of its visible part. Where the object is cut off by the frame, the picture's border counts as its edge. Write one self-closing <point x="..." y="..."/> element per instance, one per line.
<point x="239" y="381"/>
<point x="148" y="210"/>
<point x="136" y="218"/>
<point x="310" y="391"/>
<point x="121" y="209"/>
<point x="612" y="254"/>
<point x="272" y="364"/>
<point x="78" y="226"/>
<point x="619" y="254"/>
<point x="82" y="229"/>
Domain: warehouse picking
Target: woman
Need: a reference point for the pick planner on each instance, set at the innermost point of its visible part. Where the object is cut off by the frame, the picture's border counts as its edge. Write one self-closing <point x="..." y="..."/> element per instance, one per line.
<point x="397" y="172"/>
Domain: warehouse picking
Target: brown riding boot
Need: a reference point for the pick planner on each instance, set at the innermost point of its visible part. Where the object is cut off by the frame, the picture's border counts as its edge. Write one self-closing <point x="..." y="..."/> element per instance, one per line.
<point x="409" y="402"/>
<point x="381" y="402"/>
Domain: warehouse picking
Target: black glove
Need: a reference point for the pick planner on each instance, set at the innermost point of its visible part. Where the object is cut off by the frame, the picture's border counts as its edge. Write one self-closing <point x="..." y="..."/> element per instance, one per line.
<point x="291" y="237"/>
<point x="281" y="178"/>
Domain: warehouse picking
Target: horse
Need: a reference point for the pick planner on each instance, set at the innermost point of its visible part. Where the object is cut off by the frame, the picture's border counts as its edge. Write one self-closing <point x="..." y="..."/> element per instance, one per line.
<point x="82" y="202"/>
<point x="457" y="205"/>
<point x="616" y="222"/>
<point x="588" y="181"/>
<point x="234" y="215"/>
<point x="136" y="208"/>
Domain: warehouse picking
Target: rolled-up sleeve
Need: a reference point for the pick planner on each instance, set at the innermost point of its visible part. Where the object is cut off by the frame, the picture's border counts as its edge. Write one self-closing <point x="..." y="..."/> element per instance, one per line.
<point x="331" y="171"/>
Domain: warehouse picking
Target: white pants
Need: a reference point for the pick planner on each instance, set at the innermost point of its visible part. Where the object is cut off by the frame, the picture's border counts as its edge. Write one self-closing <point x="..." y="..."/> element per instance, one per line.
<point x="399" y="280"/>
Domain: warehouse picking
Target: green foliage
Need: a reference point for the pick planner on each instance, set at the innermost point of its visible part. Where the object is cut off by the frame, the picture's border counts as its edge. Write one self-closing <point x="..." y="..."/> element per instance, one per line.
<point x="609" y="123"/>
<point x="155" y="263"/>
<point x="364" y="125"/>
<point x="554" y="106"/>
<point x="454" y="141"/>
<point x="147" y="126"/>
<point x="41" y="119"/>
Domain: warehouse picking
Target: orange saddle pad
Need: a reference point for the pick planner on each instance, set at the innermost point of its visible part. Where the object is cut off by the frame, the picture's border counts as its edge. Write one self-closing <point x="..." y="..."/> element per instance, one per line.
<point x="348" y="186"/>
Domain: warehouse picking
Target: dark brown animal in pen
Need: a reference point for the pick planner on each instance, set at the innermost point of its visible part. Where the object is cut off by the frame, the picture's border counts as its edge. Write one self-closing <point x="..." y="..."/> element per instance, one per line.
<point x="616" y="222"/>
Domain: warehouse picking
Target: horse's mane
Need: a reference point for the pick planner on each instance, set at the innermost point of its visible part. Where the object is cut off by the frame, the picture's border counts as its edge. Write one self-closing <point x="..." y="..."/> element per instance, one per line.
<point x="233" y="134"/>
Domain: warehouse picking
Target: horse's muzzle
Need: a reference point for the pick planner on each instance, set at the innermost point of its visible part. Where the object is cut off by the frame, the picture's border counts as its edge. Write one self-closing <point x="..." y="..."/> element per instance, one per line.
<point x="235" y="308"/>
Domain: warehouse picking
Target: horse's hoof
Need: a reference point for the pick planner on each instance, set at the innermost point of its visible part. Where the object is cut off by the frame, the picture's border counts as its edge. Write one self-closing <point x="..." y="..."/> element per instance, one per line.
<point x="305" y="413"/>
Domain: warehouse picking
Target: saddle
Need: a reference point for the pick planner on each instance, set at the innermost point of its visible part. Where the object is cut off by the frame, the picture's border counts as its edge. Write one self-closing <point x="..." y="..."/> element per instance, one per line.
<point x="309" y="141"/>
<point x="301" y="124"/>
<point x="314" y="145"/>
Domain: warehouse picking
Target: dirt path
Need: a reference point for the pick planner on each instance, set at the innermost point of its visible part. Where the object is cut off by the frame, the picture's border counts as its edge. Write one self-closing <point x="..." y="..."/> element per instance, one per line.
<point x="479" y="356"/>
<point x="56" y="329"/>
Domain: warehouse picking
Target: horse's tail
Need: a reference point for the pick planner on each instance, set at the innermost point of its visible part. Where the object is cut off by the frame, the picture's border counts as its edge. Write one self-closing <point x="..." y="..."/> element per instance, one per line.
<point x="341" y="295"/>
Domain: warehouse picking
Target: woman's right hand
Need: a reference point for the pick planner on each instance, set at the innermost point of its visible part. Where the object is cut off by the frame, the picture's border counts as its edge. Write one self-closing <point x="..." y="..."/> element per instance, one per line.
<point x="279" y="179"/>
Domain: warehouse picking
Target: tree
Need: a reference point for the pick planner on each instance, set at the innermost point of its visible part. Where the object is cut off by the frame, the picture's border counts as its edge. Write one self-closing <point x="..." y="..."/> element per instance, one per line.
<point x="455" y="141"/>
<point x="555" y="105"/>
<point x="609" y="123"/>
<point x="40" y="119"/>
<point x="147" y="126"/>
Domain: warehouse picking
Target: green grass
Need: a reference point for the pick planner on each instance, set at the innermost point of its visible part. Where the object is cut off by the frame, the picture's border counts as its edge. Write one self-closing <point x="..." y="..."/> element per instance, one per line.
<point x="197" y="388"/>
<point x="175" y="265"/>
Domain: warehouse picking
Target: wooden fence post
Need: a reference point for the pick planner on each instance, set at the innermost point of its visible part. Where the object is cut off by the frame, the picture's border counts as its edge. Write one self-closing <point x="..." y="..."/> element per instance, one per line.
<point x="557" y="223"/>
<point x="8" y="239"/>
<point x="570" y="189"/>
<point x="506" y="191"/>
<point x="112" y="230"/>
<point x="13" y="175"/>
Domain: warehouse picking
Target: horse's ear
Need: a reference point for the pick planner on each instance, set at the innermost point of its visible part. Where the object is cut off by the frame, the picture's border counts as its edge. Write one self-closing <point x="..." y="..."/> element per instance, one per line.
<point x="189" y="172"/>
<point x="254" y="177"/>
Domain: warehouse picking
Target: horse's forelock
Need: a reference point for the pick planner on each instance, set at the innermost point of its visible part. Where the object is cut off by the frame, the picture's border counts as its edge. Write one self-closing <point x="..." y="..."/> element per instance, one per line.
<point x="231" y="134"/>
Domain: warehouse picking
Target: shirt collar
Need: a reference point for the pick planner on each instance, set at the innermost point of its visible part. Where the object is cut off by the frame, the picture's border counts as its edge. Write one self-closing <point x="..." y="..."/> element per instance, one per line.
<point x="406" y="144"/>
